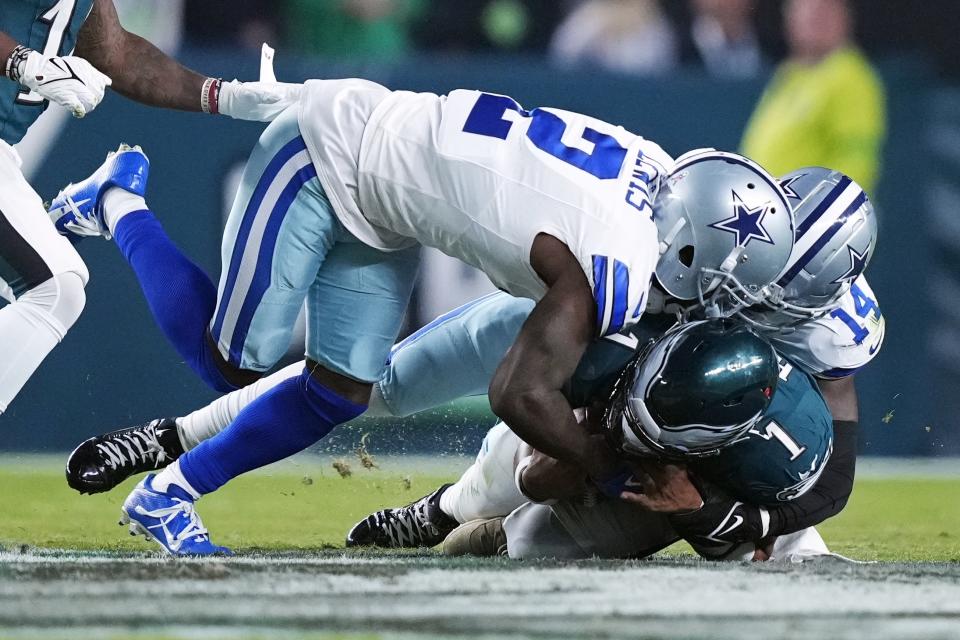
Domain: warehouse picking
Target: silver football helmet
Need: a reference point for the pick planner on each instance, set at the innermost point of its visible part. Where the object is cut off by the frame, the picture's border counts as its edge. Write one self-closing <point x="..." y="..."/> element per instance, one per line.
<point x="725" y="229"/>
<point x="693" y="391"/>
<point x="836" y="234"/>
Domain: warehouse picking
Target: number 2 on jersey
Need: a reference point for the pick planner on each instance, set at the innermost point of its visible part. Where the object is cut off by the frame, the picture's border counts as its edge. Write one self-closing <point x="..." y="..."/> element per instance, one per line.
<point x="487" y="118"/>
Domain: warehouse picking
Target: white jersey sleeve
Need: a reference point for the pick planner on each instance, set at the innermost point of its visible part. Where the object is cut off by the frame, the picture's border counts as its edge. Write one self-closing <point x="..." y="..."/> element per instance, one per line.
<point x="841" y="342"/>
<point x="478" y="177"/>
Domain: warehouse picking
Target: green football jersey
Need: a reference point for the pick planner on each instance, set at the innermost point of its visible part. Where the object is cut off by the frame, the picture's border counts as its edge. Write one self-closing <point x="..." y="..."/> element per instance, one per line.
<point x="50" y="28"/>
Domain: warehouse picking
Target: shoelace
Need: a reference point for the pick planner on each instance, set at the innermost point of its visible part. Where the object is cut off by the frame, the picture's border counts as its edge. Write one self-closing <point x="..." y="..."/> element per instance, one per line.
<point x="167" y="515"/>
<point x="405" y="525"/>
<point x="81" y="224"/>
<point x="132" y="448"/>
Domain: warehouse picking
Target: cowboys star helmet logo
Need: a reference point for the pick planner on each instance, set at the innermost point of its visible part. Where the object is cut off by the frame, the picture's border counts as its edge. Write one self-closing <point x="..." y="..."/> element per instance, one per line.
<point x="787" y="185"/>
<point x="746" y="223"/>
<point x="858" y="262"/>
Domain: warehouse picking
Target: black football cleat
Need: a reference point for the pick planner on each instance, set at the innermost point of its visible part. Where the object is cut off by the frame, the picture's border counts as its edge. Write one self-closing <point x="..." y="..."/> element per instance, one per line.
<point x="419" y="524"/>
<point x="102" y="462"/>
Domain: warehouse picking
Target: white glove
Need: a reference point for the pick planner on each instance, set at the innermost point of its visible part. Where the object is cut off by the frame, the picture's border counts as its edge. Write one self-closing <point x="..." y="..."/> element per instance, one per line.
<point x="261" y="101"/>
<point x="69" y="81"/>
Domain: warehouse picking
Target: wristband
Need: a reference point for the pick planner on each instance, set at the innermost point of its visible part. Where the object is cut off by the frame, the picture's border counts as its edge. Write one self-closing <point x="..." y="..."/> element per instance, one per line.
<point x="14" y="63"/>
<point x="210" y="96"/>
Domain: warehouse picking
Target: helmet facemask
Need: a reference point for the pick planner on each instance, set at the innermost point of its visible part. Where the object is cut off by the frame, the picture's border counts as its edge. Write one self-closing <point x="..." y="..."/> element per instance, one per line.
<point x="725" y="232"/>
<point x="836" y="237"/>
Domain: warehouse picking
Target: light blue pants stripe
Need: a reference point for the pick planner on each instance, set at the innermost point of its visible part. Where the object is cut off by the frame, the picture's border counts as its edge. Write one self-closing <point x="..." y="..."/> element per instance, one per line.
<point x="283" y="246"/>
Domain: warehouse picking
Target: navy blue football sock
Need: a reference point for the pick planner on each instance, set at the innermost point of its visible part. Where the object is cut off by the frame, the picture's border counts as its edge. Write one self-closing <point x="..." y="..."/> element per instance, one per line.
<point x="286" y="420"/>
<point x="180" y="295"/>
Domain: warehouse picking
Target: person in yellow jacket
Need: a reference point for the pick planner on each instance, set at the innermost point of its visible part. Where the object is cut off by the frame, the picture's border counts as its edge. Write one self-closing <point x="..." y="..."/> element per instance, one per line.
<point x="825" y="103"/>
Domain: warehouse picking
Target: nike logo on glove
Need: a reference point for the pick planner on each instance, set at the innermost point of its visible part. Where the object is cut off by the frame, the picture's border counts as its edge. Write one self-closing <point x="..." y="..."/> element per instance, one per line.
<point x="73" y="75"/>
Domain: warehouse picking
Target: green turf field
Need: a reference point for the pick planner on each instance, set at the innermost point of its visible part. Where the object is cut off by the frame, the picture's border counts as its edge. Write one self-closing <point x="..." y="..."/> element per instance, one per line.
<point x="67" y="570"/>
<point x="311" y="507"/>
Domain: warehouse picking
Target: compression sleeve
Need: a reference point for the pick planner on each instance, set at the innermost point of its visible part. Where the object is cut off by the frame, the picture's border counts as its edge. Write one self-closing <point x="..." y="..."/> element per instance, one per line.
<point x="723" y="521"/>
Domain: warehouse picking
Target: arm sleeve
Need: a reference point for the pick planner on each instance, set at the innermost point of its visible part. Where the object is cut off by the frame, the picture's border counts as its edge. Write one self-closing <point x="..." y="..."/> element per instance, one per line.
<point x="723" y="521"/>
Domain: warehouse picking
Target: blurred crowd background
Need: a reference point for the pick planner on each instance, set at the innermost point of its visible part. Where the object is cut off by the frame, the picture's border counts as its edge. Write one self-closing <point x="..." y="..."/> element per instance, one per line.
<point x="727" y="38"/>
<point x="869" y="87"/>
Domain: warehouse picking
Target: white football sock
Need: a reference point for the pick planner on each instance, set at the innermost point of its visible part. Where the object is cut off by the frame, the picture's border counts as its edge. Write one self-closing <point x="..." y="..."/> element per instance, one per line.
<point x="32" y="326"/>
<point x="487" y="488"/>
<point x="118" y="203"/>
<point x="212" y="419"/>
<point x="173" y="475"/>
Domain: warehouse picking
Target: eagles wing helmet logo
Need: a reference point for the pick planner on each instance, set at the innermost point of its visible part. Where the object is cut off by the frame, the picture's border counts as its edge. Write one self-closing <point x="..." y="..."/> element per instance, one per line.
<point x="746" y="223"/>
<point x="858" y="262"/>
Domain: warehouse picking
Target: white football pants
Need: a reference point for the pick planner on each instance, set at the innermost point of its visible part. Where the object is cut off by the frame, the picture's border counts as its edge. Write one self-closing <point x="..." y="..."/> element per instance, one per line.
<point x="41" y="277"/>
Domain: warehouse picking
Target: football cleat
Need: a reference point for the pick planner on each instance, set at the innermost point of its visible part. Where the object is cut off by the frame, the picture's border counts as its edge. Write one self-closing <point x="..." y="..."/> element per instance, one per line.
<point x="169" y="519"/>
<point x="485" y="538"/>
<point x="100" y="463"/>
<point x="77" y="211"/>
<point x="419" y="524"/>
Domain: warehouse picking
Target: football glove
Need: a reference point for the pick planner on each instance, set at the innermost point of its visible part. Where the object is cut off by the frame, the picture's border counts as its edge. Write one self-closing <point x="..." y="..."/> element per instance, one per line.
<point x="260" y="101"/>
<point x="68" y="81"/>
<point x="722" y="525"/>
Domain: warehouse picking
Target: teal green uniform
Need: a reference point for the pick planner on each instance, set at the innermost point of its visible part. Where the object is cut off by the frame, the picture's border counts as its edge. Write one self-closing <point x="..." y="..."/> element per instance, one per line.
<point x="47" y="26"/>
<point x="457" y="354"/>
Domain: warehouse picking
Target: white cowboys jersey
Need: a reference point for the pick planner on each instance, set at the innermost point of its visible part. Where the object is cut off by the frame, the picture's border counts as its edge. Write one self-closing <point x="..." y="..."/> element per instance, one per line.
<point x="842" y="341"/>
<point x="478" y="177"/>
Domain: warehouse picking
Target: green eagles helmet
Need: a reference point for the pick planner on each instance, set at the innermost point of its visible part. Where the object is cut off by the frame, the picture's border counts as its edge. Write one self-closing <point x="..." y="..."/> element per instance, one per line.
<point x="692" y="392"/>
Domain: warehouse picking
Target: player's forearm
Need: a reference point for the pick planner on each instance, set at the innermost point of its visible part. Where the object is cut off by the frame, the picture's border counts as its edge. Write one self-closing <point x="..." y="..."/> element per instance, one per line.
<point x="829" y="495"/>
<point x="543" y="419"/>
<point x="139" y="70"/>
<point x="542" y="478"/>
<point x="7" y="45"/>
<point x="156" y="79"/>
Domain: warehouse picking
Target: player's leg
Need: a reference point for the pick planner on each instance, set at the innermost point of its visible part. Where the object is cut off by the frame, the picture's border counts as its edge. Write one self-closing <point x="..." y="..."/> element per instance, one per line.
<point x="486" y="489"/>
<point x="207" y="329"/>
<point x="41" y="275"/>
<point x="355" y="308"/>
<point x="451" y="357"/>
<point x="532" y="531"/>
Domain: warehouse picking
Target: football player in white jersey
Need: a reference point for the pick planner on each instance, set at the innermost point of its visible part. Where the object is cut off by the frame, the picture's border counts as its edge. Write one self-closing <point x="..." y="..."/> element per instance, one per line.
<point x="335" y="200"/>
<point x="825" y="318"/>
<point x="469" y="342"/>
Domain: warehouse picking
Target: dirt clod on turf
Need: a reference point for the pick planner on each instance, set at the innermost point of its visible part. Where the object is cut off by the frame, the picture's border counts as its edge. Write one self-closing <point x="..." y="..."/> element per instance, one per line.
<point x="366" y="458"/>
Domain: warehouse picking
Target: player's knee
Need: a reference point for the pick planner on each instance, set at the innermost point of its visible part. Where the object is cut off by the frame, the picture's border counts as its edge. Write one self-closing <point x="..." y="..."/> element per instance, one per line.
<point x="221" y="374"/>
<point x="55" y="303"/>
<point x="72" y="298"/>
<point x="331" y="402"/>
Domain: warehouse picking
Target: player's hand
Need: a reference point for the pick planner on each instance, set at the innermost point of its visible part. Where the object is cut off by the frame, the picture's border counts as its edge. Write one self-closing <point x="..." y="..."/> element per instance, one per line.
<point x="665" y="489"/>
<point x="764" y="550"/>
<point x="68" y="81"/>
<point x="260" y="101"/>
<point x="604" y="467"/>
